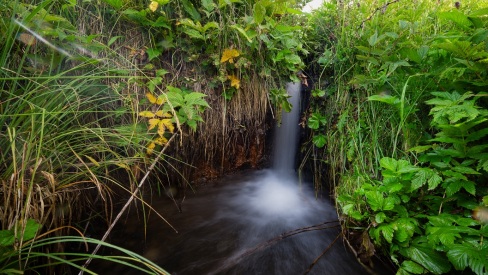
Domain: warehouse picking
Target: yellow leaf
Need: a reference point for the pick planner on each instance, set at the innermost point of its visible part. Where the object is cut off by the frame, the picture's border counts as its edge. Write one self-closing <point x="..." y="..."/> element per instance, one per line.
<point x="161" y="114"/>
<point x="150" y="148"/>
<point x="154" y="100"/>
<point x="161" y="141"/>
<point x="147" y="114"/>
<point x="152" y="123"/>
<point x="234" y="81"/>
<point x="153" y="6"/>
<point x="228" y="55"/>
<point x="169" y="125"/>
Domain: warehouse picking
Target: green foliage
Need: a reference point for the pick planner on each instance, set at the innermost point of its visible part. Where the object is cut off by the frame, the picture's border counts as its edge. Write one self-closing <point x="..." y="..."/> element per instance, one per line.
<point x="406" y="128"/>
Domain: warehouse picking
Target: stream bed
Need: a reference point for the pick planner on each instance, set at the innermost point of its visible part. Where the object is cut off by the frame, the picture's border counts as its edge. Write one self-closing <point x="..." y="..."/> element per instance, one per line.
<point x="252" y="222"/>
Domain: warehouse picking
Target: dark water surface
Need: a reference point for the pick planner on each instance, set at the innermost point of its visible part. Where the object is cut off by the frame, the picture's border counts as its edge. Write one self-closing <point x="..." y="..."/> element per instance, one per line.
<point x="233" y="227"/>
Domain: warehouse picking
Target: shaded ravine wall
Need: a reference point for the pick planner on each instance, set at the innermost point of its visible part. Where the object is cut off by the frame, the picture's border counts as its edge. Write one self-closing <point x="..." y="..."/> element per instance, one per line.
<point x="235" y="134"/>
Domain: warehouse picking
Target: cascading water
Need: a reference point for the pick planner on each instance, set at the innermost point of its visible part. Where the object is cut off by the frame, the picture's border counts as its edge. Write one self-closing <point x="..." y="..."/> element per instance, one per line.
<point x="286" y="135"/>
<point x="237" y="226"/>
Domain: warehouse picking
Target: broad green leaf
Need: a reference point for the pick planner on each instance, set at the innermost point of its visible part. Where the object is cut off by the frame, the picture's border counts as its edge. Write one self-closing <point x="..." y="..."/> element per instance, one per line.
<point x="375" y="200"/>
<point x="191" y="10"/>
<point x="208" y="5"/>
<point x="457" y="17"/>
<point x="7" y="238"/>
<point x="153" y="53"/>
<point x="387" y="232"/>
<point x="412" y="267"/>
<point x="319" y="140"/>
<point x="434" y="181"/>
<point x="464" y="255"/>
<point x="465" y="170"/>
<point x="380" y="217"/>
<point x="430" y="259"/>
<point x="373" y="39"/>
<point x="389" y="203"/>
<point x="196" y="98"/>
<point x="259" y="12"/>
<point x="452" y="186"/>
<point x="389" y="164"/>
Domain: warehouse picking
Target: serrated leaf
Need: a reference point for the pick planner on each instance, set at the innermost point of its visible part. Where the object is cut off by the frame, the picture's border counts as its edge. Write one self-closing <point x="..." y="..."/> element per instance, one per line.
<point x="452" y="187"/>
<point x="389" y="164"/>
<point x="380" y="217"/>
<point x="153" y="122"/>
<point x="430" y="259"/>
<point x="375" y="199"/>
<point x="389" y="203"/>
<point x="319" y="140"/>
<point x="470" y="187"/>
<point x="465" y="170"/>
<point x="196" y="98"/>
<point x="154" y="100"/>
<point x="387" y="232"/>
<point x="153" y="53"/>
<point x="147" y="114"/>
<point x="434" y="181"/>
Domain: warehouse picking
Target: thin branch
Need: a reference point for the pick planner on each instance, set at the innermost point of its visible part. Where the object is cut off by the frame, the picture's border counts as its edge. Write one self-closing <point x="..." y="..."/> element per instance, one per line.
<point x="376" y="10"/>
<point x="321" y="255"/>
<point x="236" y="259"/>
<point x="129" y="201"/>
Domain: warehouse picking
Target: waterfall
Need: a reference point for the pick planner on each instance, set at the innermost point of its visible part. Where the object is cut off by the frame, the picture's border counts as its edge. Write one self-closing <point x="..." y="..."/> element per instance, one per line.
<point x="286" y="135"/>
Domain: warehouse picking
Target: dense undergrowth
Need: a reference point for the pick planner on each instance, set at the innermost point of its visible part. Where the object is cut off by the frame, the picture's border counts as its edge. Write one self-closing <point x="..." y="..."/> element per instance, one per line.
<point x="398" y="118"/>
<point x="103" y="95"/>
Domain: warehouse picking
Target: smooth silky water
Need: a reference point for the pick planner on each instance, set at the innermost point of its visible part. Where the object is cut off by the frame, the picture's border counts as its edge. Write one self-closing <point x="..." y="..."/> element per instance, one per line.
<point x="233" y="226"/>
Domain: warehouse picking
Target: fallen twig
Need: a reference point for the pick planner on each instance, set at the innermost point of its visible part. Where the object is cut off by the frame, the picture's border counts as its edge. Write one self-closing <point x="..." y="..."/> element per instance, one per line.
<point x="321" y="255"/>
<point x="236" y="259"/>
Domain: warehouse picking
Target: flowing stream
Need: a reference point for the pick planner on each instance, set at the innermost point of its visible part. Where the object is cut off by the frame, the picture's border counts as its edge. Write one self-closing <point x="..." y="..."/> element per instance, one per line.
<point x="253" y="222"/>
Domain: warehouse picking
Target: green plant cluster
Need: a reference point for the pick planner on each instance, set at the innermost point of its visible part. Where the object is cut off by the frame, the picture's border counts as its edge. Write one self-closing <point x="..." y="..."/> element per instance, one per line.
<point x="262" y="33"/>
<point x="399" y="113"/>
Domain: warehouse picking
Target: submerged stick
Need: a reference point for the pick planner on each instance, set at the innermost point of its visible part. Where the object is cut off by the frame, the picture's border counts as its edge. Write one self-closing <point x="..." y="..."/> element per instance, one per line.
<point x="321" y="255"/>
<point x="236" y="259"/>
<point x="129" y="201"/>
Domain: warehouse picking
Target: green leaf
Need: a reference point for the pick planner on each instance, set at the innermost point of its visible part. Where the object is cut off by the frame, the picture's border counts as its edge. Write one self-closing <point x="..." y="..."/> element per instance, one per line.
<point x="412" y="267"/>
<point x="373" y="39"/>
<point x="242" y="32"/>
<point x="153" y="53"/>
<point x="434" y="181"/>
<point x="380" y="217"/>
<point x="457" y="17"/>
<point x="208" y="5"/>
<point x="31" y="229"/>
<point x="195" y="98"/>
<point x="387" y="232"/>
<point x="319" y="140"/>
<point x="375" y="200"/>
<point x="259" y="12"/>
<point x="389" y="164"/>
<point x="7" y="238"/>
<point x="316" y="120"/>
<point x="191" y="10"/>
<point x="388" y="99"/>
<point x="430" y="259"/>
